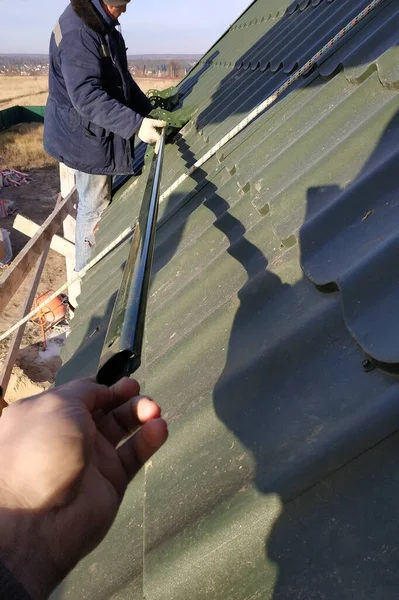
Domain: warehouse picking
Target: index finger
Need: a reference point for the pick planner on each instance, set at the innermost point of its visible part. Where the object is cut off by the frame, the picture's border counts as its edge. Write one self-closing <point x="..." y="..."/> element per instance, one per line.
<point x="100" y="397"/>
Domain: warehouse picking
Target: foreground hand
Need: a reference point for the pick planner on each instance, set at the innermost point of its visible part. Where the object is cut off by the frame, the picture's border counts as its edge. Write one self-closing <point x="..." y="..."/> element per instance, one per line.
<point x="148" y="132"/>
<point x="63" y="474"/>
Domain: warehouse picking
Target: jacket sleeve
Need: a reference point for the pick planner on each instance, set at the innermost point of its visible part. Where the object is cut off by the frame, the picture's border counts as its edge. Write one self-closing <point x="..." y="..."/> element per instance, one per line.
<point x="140" y="102"/>
<point x="80" y="60"/>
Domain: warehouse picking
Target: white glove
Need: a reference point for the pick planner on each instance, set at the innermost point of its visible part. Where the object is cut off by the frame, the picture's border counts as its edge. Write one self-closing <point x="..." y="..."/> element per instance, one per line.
<point x="148" y="132"/>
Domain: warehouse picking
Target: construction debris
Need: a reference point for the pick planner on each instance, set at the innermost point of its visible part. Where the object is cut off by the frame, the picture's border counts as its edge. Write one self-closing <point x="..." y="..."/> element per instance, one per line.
<point x="13" y="178"/>
<point x="53" y="313"/>
<point x="5" y="248"/>
<point x="7" y="208"/>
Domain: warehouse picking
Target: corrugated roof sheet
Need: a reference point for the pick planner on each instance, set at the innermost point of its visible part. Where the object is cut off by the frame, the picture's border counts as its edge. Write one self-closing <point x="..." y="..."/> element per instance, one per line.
<point x="274" y="280"/>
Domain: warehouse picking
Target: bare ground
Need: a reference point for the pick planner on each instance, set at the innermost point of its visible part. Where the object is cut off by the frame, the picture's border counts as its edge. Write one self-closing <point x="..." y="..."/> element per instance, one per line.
<point x="32" y="372"/>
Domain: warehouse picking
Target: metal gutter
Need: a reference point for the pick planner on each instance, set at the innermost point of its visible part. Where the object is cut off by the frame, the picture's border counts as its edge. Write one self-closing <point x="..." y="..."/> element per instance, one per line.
<point x="121" y="353"/>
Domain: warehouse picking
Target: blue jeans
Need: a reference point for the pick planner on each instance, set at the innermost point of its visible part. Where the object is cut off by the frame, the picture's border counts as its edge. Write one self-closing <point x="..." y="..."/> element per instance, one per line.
<point x="94" y="196"/>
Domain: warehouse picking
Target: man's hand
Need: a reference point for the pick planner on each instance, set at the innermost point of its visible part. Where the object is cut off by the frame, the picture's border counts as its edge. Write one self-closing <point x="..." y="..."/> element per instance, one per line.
<point x="148" y="132"/>
<point x="64" y="471"/>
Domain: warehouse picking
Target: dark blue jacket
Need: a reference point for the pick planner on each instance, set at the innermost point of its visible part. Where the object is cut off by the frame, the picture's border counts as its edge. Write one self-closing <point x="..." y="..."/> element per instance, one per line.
<point x="94" y="106"/>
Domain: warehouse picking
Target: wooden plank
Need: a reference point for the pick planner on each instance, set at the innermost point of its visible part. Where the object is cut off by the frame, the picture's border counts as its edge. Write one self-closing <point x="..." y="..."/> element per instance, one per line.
<point x="22" y="264"/>
<point x="67" y="182"/>
<point x="58" y="243"/>
<point x="16" y="339"/>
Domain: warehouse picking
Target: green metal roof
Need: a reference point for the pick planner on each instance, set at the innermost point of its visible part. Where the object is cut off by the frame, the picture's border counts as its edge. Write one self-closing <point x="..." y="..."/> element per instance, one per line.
<point x="272" y="337"/>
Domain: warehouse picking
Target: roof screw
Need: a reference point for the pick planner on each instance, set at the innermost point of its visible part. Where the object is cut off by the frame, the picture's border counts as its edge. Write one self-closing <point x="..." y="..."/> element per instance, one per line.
<point x="368" y="365"/>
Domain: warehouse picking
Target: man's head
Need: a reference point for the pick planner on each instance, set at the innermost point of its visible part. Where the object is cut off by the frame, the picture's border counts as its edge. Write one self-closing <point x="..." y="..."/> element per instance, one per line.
<point x="115" y="7"/>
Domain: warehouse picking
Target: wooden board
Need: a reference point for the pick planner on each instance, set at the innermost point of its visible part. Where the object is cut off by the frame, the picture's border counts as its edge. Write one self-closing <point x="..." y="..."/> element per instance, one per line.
<point x="58" y="243"/>
<point x="67" y="182"/>
<point x="22" y="264"/>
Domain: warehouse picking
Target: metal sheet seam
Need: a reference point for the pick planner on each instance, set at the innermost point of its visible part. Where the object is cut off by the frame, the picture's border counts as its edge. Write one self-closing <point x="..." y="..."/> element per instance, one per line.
<point x="272" y="98"/>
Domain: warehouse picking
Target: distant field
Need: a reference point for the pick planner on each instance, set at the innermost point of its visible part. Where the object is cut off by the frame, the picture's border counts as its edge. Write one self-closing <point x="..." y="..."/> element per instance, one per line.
<point x="30" y="91"/>
<point x="156" y="83"/>
<point x="21" y="147"/>
<point x="33" y="91"/>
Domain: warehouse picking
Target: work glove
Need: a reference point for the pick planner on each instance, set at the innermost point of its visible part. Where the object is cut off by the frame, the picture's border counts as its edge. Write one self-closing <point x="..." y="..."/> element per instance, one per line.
<point x="148" y="132"/>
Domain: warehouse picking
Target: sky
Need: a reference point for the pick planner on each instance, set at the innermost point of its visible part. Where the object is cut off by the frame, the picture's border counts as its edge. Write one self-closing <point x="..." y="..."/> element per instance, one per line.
<point x="149" y="27"/>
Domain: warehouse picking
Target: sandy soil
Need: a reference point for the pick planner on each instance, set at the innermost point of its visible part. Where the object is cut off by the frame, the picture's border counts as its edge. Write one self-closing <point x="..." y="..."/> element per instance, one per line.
<point x="35" y="370"/>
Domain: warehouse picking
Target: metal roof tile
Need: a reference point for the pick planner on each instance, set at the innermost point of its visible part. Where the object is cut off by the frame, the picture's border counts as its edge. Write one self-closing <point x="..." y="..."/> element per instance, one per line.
<point x="257" y="364"/>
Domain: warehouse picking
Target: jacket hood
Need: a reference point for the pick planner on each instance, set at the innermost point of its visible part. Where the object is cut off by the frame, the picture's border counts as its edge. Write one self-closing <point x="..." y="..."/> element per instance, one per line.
<point x="90" y="16"/>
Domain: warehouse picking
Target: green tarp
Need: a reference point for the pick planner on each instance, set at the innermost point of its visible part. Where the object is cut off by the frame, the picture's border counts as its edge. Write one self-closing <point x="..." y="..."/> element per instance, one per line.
<point x="21" y="114"/>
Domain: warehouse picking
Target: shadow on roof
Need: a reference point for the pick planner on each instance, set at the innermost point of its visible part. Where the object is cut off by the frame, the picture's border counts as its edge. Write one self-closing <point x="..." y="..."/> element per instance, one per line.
<point x="347" y="242"/>
<point x="308" y="355"/>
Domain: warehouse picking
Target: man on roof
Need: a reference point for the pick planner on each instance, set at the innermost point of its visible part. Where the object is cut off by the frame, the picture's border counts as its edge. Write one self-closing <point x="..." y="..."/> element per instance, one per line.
<point x="94" y="109"/>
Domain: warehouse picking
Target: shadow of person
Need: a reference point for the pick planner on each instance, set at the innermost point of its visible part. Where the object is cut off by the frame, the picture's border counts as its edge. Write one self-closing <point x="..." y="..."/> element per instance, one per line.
<point x="336" y="535"/>
<point x="292" y="390"/>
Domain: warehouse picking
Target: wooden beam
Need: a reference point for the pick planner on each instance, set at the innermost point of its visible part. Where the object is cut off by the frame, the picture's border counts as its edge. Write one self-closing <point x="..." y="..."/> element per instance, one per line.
<point x="58" y="243"/>
<point x="16" y="339"/>
<point x="67" y="182"/>
<point x="22" y="264"/>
